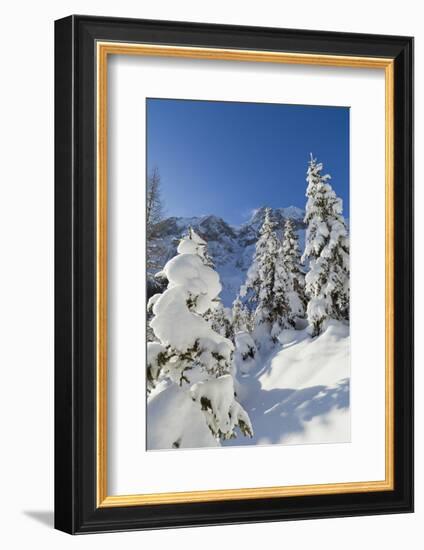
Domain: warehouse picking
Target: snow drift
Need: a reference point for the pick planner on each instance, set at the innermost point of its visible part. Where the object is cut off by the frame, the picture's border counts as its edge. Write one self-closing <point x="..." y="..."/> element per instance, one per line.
<point x="299" y="394"/>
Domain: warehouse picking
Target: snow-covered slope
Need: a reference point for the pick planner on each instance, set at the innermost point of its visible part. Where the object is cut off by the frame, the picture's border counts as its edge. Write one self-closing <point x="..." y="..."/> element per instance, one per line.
<point x="304" y="362"/>
<point x="300" y="393"/>
<point x="231" y="248"/>
<point x="296" y="394"/>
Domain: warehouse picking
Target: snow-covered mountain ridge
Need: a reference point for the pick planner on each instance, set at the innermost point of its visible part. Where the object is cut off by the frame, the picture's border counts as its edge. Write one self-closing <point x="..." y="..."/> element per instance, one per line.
<point x="231" y="248"/>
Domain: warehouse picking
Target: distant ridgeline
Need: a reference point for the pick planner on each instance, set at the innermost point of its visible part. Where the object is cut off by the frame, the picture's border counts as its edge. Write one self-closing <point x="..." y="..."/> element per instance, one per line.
<point x="231" y="248"/>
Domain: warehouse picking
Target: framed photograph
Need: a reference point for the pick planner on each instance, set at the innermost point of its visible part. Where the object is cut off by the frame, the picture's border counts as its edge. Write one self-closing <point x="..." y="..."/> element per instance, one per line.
<point x="233" y="265"/>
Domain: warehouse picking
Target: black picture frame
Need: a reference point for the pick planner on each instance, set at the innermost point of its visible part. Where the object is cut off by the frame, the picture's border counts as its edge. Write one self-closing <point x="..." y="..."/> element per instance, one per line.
<point x="76" y="510"/>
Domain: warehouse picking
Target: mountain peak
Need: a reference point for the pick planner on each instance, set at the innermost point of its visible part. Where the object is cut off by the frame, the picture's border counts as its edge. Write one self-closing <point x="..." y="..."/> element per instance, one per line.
<point x="293" y="212"/>
<point x="231" y="248"/>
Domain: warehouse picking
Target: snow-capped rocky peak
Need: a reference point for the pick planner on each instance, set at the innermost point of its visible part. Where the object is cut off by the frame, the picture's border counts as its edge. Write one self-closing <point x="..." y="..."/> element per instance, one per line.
<point x="277" y="214"/>
<point x="215" y="227"/>
<point x="230" y="248"/>
<point x="293" y="212"/>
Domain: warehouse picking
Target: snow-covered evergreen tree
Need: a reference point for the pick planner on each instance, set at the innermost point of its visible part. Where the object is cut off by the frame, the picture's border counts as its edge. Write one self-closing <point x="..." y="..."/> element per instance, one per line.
<point x="220" y="320"/>
<point x="192" y="243"/>
<point x="295" y="278"/>
<point x="188" y="351"/>
<point x="154" y="214"/>
<point x="241" y="317"/>
<point x="245" y="353"/>
<point x="217" y="315"/>
<point x="265" y="285"/>
<point x="326" y="251"/>
<point x="281" y="309"/>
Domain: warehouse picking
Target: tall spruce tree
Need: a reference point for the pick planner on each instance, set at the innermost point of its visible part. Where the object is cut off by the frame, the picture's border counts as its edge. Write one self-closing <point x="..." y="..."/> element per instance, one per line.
<point x="265" y="285"/>
<point x="295" y="278"/>
<point x="281" y="311"/>
<point x="241" y="317"/>
<point x="326" y="251"/>
<point x="154" y="214"/>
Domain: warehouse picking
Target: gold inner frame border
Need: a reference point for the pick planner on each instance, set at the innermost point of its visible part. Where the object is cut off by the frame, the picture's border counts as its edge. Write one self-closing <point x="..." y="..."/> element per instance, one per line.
<point x="103" y="50"/>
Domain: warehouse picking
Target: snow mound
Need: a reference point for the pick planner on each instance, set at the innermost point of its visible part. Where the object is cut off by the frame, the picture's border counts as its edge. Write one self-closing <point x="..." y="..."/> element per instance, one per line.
<point x="299" y="393"/>
<point x="332" y="427"/>
<point x="306" y="362"/>
<point x="168" y="430"/>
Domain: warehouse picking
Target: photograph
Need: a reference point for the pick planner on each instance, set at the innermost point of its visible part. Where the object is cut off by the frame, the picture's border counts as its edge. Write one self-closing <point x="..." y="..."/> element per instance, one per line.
<point x="233" y="269"/>
<point x="247" y="274"/>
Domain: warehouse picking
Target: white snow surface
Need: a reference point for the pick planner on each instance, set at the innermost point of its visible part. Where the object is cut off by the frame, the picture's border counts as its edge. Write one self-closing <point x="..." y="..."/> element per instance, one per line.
<point x="167" y="430"/>
<point x="304" y="362"/>
<point x="297" y="393"/>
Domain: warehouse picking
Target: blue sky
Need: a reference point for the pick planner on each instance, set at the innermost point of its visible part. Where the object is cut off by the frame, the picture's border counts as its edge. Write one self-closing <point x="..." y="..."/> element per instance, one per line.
<point x="228" y="158"/>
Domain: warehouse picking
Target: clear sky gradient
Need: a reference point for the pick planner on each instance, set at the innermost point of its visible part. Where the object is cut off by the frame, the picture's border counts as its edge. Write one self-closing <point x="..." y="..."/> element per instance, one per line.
<point x="228" y="158"/>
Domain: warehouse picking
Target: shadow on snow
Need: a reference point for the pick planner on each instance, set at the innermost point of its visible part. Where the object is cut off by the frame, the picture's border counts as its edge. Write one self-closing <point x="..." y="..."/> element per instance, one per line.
<point x="279" y="413"/>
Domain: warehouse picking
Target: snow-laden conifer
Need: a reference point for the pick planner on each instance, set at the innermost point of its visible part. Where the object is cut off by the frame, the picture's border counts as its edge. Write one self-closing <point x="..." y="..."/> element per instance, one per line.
<point x="220" y="320"/>
<point x="188" y="352"/>
<point x="241" y="317"/>
<point x="326" y="251"/>
<point x="260" y="276"/>
<point x="192" y="243"/>
<point x="154" y="214"/>
<point x="295" y="278"/>
<point x="266" y="282"/>
<point x="279" y="319"/>
<point x="217" y="315"/>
